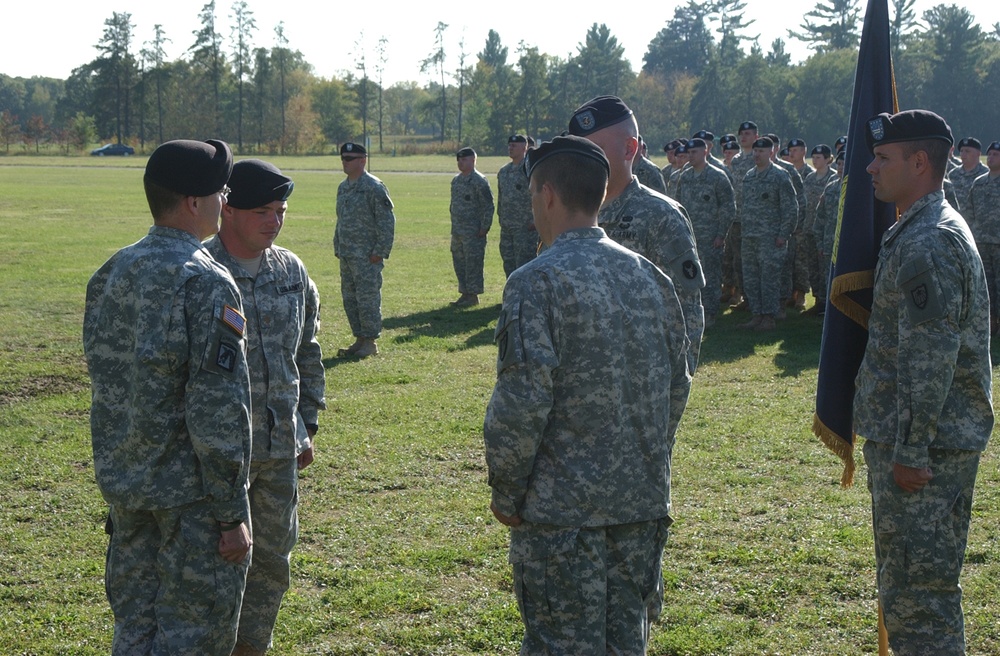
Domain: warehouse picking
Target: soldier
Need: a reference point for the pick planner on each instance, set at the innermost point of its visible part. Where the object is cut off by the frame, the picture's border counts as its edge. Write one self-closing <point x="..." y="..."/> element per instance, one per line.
<point x="791" y="295"/>
<point x="637" y="217"/>
<point x="648" y="173"/>
<point x="286" y="381"/>
<point x="362" y="241"/>
<point x="768" y="211"/>
<point x="729" y="150"/>
<point x="824" y="228"/>
<point x="669" y="149"/>
<point x="923" y="398"/>
<point x="740" y="165"/>
<point x="164" y="338"/>
<point x="709" y="140"/>
<point x="518" y="237"/>
<point x="809" y="252"/>
<point x="983" y="215"/>
<point x="707" y="195"/>
<point x="471" y="216"/>
<point x="970" y="151"/>
<point x="587" y="502"/>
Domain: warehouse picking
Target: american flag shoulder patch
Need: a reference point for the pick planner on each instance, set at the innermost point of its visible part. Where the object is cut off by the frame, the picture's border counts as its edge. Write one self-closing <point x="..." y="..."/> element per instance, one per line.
<point x="232" y="318"/>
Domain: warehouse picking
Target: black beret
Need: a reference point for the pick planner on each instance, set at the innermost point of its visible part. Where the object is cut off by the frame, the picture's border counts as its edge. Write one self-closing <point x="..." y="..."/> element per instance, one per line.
<point x="796" y="143"/>
<point x="191" y="168"/>
<point x="568" y="145"/>
<point x="465" y="152"/>
<point x="727" y="138"/>
<point x="672" y="146"/>
<point x="783" y="152"/>
<point x="747" y="125"/>
<point x="841" y="155"/>
<point x="697" y="142"/>
<point x="730" y="145"/>
<point x="517" y="138"/>
<point x="352" y="149"/>
<point x="763" y="142"/>
<point x="970" y="142"/>
<point x="840" y="143"/>
<point x="911" y="125"/>
<point x="993" y="146"/>
<point x="705" y="135"/>
<point x="598" y="113"/>
<point x="682" y="149"/>
<point x="821" y="149"/>
<point x="255" y="183"/>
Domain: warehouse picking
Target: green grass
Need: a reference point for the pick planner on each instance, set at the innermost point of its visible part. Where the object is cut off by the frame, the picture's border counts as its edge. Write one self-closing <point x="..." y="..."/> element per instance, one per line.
<point x="399" y="553"/>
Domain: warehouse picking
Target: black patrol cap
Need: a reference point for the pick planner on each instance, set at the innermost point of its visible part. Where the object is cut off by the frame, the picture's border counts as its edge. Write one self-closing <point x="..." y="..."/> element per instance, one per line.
<point x="517" y="138"/>
<point x="911" y="125"/>
<point x="840" y="143"/>
<point x="821" y="149"/>
<point x="598" y="113"/>
<point x="704" y="135"/>
<point x="465" y="152"/>
<point x="993" y="146"/>
<point x="672" y="146"/>
<point x="190" y="168"/>
<point x="255" y="183"/>
<point x="970" y="142"/>
<point x="731" y="145"/>
<point x="796" y="143"/>
<point x="568" y="145"/>
<point x="697" y="142"/>
<point x="763" y="142"/>
<point x="747" y="125"/>
<point x="352" y="149"/>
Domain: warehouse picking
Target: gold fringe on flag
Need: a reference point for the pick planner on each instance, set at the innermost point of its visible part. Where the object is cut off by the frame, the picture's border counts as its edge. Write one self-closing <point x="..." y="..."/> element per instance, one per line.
<point x="843" y="449"/>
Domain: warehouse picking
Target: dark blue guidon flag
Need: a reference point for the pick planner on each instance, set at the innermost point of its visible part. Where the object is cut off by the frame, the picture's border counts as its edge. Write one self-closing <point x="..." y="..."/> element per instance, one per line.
<point x="861" y="220"/>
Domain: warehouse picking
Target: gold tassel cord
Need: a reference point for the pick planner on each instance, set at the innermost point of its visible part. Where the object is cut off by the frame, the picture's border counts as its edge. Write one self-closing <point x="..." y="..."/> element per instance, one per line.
<point x="841" y="448"/>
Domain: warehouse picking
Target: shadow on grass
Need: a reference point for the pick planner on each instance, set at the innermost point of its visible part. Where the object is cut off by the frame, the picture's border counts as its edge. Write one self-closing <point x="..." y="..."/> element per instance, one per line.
<point x="797" y="337"/>
<point x="442" y="323"/>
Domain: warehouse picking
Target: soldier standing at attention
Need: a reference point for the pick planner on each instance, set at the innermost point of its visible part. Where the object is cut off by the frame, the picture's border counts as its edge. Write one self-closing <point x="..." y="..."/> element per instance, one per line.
<point x="637" y="217"/>
<point x="362" y="241"/>
<point x="813" y="185"/>
<point x="648" y="173"/>
<point x="164" y="337"/>
<point x="923" y="399"/>
<point x="287" y="381"/>
<point x="707" y="195"/>
<point x="518" y="237"/>
<point x="983" y="215"/>
<point x="970" y="151"/>
<point x="471" y="217"/>
<point x="769" y="211"/>
<point x="591" y="384"/>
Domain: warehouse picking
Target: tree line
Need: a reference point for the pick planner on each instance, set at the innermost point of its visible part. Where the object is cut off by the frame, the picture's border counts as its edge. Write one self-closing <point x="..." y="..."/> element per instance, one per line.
<point x="705" y="69"/>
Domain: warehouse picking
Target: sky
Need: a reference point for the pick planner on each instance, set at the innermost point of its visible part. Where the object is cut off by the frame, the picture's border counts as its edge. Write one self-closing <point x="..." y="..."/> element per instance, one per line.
<point x="51" y="38"/>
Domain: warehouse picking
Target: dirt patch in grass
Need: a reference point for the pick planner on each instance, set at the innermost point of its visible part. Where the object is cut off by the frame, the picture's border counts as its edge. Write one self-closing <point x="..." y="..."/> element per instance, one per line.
<point x="26" y="389"/>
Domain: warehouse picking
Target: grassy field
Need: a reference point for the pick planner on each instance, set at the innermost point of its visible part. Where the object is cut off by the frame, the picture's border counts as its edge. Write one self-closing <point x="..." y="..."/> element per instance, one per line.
<point x="399" y="553"/>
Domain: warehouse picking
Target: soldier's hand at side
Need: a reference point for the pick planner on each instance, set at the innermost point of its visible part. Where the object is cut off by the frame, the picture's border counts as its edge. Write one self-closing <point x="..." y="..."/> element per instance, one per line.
<point x="506" y="520"/>
<point x="482" y="233"/>
<point x="305" y="458"/>
<point x="234" y="545"/>
<point x="374" y="259"/>
<point x="911" y="479"/>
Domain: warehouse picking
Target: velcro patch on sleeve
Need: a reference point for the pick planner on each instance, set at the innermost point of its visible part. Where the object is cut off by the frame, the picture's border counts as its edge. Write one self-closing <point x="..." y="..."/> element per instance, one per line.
<point x="510" y="349"/>
<point x="921" y="291"/>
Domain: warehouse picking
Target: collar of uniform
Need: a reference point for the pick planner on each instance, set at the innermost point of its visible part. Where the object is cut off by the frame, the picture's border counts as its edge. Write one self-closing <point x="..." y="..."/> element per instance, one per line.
<point x="225" y="258"/>
<point x="175" y="233"/>
<point x="906" y="218"/>
<point x="592" y="232"/>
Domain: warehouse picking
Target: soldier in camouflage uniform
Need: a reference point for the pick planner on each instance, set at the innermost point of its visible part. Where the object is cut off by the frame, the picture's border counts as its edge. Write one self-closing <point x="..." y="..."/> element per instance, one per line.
<point x="471" y="216"/>
<point x="825" y="228"/>
<point x="813" y="185"/>
<point x="970" y="151"/>
<point x="518" y="237"/>
<point x="787" y="291"/>
<point x="800" y="250"/>
<point x="732" y="258"/>
<point x="923" y="396"/>
<point x="163" y="334"/>
<point x="637" y="217"/>
<point x="983" y="215"/>
<point x="705" y="192"/>
<point x="580" y="427"/>
<point x="669" y="149"/>
<point x="286" y="381"/>
<point x="768" y="209"/>
<point x="647" y="173"/>
<point x="362" y="241"/>
<point x="681" y="159"/>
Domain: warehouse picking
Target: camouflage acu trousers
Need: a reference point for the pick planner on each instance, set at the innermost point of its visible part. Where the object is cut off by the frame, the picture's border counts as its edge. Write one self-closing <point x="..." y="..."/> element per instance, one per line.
<point x="920" y="541"/>
<point x="361" y="291"/>
<point x="815" y="273"/>
<point x="273" y="507"/>
<point x="468" y="253"/>
<point x="591" y="590"/>
<point x="732" y="262"/>
<point x="991" y="263"/>
<point x="517" y="247"/>
<point x="763" y="263"/>
<point x="711" y="264"/>
<point x="170" y="590"/>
